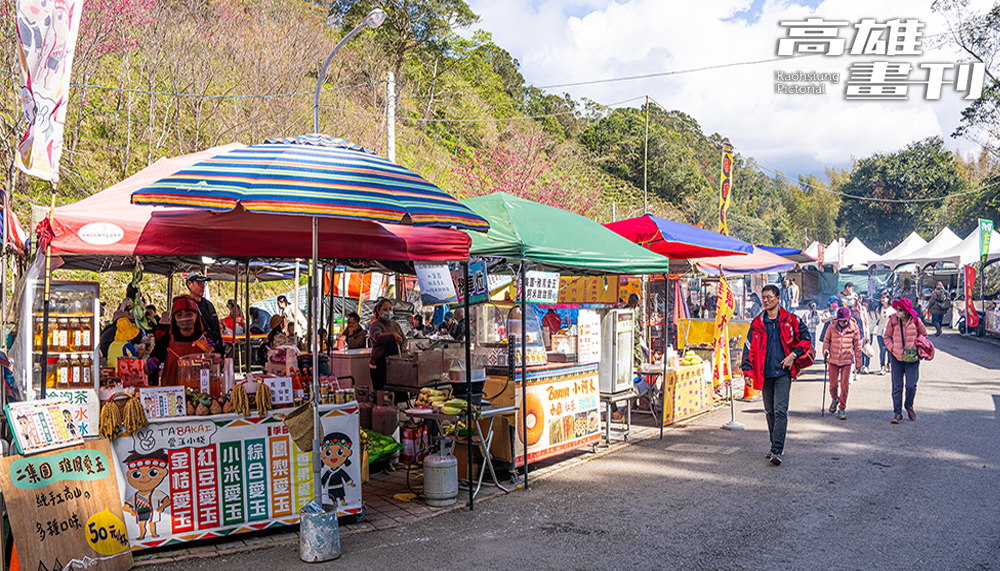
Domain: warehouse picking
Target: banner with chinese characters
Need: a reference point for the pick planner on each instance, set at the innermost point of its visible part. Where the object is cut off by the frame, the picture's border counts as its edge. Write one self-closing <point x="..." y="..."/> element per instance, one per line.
<point x="563" y="412"/>
<point x="47" y="32"/>
<point x="43" y="424"/>
<point x="227" y="474"/>
<point x="725" y="306"/>
<point x="725" y="187"/>
<point x="588" y="289"/>
<point x="84" y="409"/>
<point x="478" y="289"/>
<point x="985" y="233"/>
<point x="542" y="287"/>
<point x="971" y="315"/>
<point x="64" y="509"/>
<point x="436" y="285"/>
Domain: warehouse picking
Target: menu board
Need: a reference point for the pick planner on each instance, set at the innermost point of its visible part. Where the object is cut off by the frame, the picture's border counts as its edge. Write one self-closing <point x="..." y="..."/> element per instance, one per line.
<point x="588" y="289"/>
<point x="541" y="287"/>
<point x="43" y="425"/>
<point x="84" y="407"/>
<point x="563" y="412"/>
<point x="588" y="341"/>
<point x="64" y="509"/>
<point x="162" y="402"/>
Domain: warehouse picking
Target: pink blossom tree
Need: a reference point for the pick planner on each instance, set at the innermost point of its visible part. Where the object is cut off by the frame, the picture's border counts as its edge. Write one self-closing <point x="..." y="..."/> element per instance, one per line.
<point x="521" y="166"/>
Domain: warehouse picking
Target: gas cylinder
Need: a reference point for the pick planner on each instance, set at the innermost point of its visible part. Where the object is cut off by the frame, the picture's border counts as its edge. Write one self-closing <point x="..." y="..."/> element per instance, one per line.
<point x="364" y="406"/>
<point x="441" y="476"/>
<point x="385" y="415"/>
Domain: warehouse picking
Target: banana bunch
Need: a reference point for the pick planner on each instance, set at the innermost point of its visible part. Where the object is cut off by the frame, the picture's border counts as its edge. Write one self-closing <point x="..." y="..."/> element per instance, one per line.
<point x="430" y="397"/>
<point x="459" y="407"/>
<point x="690" y="358"/>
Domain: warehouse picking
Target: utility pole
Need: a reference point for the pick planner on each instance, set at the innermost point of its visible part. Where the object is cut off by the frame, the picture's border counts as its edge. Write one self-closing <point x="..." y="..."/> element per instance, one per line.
<point x="390" y="117"/>
<point x="645" y="163"/>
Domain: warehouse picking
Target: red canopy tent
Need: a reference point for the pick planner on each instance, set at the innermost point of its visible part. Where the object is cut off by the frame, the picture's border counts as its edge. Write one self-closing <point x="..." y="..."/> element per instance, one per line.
<point x="106" y="230"/>
<point x="759" y="262"/>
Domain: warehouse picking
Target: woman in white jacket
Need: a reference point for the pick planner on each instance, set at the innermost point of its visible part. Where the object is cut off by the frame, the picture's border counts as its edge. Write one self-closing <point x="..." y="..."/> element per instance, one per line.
<point x="880" y="317"/>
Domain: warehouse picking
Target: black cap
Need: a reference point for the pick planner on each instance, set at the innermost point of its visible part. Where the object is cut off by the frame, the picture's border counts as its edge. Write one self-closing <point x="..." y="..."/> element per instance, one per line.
<point x="197" y="277"/>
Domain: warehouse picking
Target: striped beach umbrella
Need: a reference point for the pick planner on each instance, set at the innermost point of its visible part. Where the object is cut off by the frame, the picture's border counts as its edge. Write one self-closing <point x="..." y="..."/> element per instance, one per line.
<point x="311" y="175"/>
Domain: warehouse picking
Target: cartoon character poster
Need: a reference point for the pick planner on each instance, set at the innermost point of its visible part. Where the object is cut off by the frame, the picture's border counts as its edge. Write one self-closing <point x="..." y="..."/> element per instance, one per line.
<point x="336" y="452"/>
<point x="47" y="31"/>
<point x="146" y="502"/>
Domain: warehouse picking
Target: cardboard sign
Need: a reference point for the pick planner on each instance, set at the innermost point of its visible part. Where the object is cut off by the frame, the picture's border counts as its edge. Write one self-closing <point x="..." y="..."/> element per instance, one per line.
<point x="132" y="372"/>
<point x="436" y="286"/>
<point x="64" y="509"/>
<point x="43" y="425"/>
<point x="228" y="474"/>
<point x="281" y="389"/>
<point x="162" y="402"/>
<point x="84" y="406"/>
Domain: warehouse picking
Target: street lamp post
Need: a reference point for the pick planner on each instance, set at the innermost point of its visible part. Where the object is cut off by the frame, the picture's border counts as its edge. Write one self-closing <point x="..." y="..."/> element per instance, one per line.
<point x="373" y="19"/>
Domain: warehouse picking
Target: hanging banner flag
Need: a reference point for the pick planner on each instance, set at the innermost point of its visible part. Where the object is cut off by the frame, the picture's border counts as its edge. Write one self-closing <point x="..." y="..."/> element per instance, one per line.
<point x="971" y="315"/>
<point x="725" y="306"/>
<point x="820" y="254"/>
<point x="985" y="231"/>
<point x="47" y="32"/>
<point x="841" y="246"/>
<point x="726" y="187"/>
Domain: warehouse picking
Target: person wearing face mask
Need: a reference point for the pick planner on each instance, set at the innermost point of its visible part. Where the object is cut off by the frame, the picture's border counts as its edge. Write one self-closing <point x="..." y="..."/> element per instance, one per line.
<point x="187" y="337"/>
<point x="842" y="348"/>
<point x="386" y="339"/>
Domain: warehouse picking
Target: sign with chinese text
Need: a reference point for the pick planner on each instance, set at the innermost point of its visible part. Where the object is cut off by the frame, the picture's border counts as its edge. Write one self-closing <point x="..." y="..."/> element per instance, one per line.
<point x="436" y="285"/>
<point x="971" y="315"/>
<point x="229" y="474"/>
<point x="44" y="424"/>
<point x="686" y="392"/>
<point x="725" y="306"/>
<point x="477" y="279"/>
<point x="725" y="187"/>
<point x="281" y="389"/>
<point x="64" y="509"/>
<point x="84" y="407"/>
<point x="563" y="409"/>
<point x="588" y="289"/>
<point x="588" y="340"/>
<point x="162" y="402"/>
<point x="541" y="287"/>
<point x="985" y="232"/>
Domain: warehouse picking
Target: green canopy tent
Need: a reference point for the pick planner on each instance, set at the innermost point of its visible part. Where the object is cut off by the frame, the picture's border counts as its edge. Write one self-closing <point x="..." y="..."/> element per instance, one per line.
<point x="554" y="239"/>
<point x="550" y="237"/>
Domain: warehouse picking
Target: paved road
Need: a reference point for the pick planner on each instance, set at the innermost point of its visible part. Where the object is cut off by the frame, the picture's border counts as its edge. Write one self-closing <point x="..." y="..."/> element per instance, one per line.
<point x="854" y="494"/>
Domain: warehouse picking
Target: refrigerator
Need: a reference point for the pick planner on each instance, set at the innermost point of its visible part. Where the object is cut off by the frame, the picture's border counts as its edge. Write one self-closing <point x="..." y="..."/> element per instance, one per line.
<point x="615" y="372"/>
<point x="73" y="337"/>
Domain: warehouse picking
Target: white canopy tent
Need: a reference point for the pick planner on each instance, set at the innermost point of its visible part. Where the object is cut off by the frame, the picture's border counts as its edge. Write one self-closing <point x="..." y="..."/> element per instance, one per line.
<point x="857" y="256"/>
<point x="967" y="252"/>
<point x="931" y="252"/>
<point x="907" y="247"/>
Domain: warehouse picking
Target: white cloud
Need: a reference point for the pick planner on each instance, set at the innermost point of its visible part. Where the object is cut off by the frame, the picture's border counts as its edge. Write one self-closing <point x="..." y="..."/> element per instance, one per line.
<point x="566" y="41"/>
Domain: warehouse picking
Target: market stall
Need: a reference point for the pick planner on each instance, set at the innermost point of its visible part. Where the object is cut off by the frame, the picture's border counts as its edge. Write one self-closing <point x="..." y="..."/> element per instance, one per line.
<point x="207" y="450"/>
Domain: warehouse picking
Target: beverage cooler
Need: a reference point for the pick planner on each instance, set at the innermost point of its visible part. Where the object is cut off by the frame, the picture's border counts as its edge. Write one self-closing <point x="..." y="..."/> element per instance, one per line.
<point x="73" y="337"/>
<point x="616" y="351"/>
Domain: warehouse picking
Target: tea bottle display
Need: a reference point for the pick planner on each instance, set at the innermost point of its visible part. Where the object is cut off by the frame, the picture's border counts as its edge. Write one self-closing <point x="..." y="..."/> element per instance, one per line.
<point x="75" y="335"/>
<point x="51" y="372"/>
<point x="86" y="372"/>
<point x="37" y="334"/>
<point x="62" y="327"/>
<point x="85" y="343"/>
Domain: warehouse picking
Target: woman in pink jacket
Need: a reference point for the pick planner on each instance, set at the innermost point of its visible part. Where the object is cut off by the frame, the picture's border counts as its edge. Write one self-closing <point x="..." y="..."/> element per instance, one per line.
<point x="901" y="340"/>
<point x="842" y="348"/>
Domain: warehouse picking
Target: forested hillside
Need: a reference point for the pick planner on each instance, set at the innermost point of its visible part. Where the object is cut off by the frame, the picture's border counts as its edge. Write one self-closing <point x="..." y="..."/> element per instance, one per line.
<point x="158" y="78"/>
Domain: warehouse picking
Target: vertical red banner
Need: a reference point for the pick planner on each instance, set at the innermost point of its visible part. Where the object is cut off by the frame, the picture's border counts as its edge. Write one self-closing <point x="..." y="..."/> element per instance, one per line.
<point x="971" y="315"/>
<point x="207" y="486"/>
<point x="181" y="497"/>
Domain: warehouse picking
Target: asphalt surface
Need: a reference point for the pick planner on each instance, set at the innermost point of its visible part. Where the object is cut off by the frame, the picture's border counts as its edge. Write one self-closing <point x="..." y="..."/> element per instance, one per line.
<point x="855" y="494"/>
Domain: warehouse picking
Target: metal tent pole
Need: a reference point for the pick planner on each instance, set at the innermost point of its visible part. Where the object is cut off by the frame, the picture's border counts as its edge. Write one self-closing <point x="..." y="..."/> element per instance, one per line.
<point x="663" y="379"/>
<point x="524" y="372"/>
<point x="45" y="303"/>
<point x="246" y="317"/>
<point x="317" y="429"/>
<point x="468" y="383"/>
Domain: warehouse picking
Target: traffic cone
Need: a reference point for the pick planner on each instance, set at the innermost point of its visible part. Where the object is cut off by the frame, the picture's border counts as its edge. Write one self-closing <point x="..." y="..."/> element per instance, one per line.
<point x="749" y="393"/>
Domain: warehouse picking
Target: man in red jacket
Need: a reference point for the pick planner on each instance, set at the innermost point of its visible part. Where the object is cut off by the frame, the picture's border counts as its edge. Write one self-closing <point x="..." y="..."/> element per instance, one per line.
<point x="776" y="338"/>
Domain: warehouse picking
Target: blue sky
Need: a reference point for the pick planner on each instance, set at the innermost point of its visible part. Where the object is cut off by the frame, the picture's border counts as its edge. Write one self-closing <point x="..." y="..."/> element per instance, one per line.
<point x="568" y="41"/>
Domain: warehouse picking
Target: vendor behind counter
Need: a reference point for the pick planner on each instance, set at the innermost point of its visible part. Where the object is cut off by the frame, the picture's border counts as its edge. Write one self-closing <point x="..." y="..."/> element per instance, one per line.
<point x="187" y="337"/>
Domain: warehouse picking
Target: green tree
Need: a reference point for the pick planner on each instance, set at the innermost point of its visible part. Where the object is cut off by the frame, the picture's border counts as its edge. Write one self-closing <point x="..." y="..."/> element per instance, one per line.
<point x="411" y="26"/>
<point x="922" y="170"/>
<point x="812" y="209"/>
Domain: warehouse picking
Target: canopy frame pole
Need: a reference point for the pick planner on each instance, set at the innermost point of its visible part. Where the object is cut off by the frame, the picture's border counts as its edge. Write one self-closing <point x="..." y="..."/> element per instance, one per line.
<point x="468" y="383"/>
<point x="46" y="300"/>
<point x="524" y="370"/>
<point x="314" y="397"/>
<point x="236" y="301"/>
<point x="663" y="379"/>
<point x="246" y="317"/>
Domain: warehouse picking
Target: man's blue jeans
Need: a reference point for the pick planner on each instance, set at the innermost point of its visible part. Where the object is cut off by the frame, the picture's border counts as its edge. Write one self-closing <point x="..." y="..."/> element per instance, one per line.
<point x="937" y="320"/>
<point x="775" y="393"/>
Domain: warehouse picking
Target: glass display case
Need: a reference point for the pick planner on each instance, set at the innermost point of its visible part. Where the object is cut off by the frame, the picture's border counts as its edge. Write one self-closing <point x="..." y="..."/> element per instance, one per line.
<point x="72" y="340"/>
<point x="495" y="323"/>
